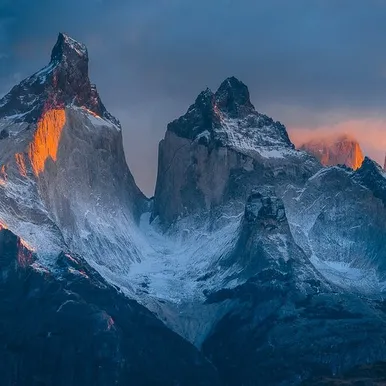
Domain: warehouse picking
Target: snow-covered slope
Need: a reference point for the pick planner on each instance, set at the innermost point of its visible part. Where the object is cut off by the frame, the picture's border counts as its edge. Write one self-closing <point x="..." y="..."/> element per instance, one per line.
<point x="339" y="219"/>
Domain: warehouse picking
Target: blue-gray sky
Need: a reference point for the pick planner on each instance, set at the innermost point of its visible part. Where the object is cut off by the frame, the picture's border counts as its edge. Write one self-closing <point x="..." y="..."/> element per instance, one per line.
<point x="316" y="65"/>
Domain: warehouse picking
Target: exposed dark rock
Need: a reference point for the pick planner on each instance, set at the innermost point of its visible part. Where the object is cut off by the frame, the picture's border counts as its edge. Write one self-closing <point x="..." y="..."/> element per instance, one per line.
<point x="70" y="328"/>
<point x="371" y="175"/>
<point x="4" y="134"/>
<point x="63" y="82"/>
<point x="220" y="150"/>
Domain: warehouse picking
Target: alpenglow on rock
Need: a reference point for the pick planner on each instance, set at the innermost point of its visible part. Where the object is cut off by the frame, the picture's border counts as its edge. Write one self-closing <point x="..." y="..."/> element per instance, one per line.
<point x="64" y="179"/>
<point x="336" y="150"/>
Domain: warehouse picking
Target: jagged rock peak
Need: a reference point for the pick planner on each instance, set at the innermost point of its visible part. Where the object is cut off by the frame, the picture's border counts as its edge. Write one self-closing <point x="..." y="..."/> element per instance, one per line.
<point x="369" y="163"/>
<point x="205" y="99"/>
<point x="233" y="97"/>
<point x="67" y="47"/>
<point x="63" y="83"/>
<point x="228" y="118"/>
<point x="341" y="149"/>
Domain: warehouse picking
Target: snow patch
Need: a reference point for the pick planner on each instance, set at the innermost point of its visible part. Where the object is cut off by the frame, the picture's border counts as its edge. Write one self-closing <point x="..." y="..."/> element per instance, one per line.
<point x="172" y="266"/>
<point x="353" y="278"/>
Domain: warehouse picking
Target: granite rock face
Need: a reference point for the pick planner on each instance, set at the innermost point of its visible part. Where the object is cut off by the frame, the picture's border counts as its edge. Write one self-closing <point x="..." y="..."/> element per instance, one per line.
<point x="63" y="169"/>
<point x="219" y="151"/>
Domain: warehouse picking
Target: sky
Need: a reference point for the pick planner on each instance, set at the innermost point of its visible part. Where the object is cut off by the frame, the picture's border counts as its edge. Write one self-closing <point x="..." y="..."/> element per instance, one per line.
<point x="318" y="66"/>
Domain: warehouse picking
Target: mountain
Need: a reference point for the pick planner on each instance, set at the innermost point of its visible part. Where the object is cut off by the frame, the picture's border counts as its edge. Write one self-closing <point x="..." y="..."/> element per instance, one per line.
<point x="64" y="179"/>
<point x="284" y="257"/>
<point x="287" y="322"/>
<point x="68" y="202"/>
<point x="218" y="151"/>
<point x="335" y="150"/>
<point x="338" y="218"/>
<point x="253" y="263"/>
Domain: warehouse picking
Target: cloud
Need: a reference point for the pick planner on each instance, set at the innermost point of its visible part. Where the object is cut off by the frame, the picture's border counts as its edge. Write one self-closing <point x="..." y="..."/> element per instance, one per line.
<point x="370" y="133"/>
<point x="307" y="63"/>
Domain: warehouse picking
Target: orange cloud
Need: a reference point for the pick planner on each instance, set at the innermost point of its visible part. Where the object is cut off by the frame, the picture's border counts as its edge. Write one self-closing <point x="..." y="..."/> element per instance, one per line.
<point x="370" y="133"/>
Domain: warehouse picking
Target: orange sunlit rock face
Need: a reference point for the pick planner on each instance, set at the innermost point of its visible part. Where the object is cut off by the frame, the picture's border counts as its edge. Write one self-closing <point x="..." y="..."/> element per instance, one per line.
<point x="3" y="175"/>
<point x="25" y="250"/>
<point x="21" y="164"/>
<point x="359" y="157"/>
<point x="24" y="254"/>
<point x="341" y="149"/>
<point x="46" y="139"/>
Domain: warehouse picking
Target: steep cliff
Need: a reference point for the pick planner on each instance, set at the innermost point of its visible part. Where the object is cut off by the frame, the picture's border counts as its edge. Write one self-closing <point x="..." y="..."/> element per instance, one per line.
<point x="64" y="179"/>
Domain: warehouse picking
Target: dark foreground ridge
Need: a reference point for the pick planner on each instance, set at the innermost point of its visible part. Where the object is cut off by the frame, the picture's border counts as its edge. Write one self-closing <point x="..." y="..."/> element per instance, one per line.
<point x="72" y="328"/>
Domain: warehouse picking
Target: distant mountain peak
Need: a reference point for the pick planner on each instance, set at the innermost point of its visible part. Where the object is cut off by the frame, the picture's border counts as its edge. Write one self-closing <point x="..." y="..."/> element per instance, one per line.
<point x="341" y="149"/>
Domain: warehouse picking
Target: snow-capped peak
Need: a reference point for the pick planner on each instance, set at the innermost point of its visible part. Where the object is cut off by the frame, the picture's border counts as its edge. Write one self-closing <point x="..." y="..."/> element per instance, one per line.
<point x="233" y="97"/>
<point x="63" y="83"/>
<point x="66" y="45"/>
<point x="228" y="118"/>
